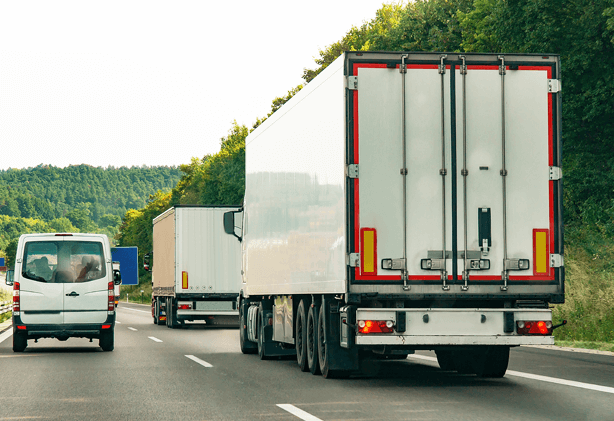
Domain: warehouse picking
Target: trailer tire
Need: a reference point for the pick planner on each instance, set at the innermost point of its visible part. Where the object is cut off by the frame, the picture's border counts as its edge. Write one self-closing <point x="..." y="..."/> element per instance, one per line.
<point x="247" y="346"/>
<point x="301" y="339"/>
<point x="493" y="363"/>
<point x="312" y="339"/>
<point x="171" y="314"/>
<point x="107" y="340"/>
<point x="20" y="342"/>
<point x="156" y="312"/>
<point x="324" y="351"/>
<point x="445" y="359"/>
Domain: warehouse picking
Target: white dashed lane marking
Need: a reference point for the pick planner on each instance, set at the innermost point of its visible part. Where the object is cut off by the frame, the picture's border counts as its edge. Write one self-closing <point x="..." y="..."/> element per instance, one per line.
<point x="199" y="361"/>
<point x="298" y="412"/>
<point x="154" y="339"/>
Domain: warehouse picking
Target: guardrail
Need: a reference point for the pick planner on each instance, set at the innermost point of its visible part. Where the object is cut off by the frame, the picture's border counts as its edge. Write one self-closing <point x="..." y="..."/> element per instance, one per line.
<point x="6" y="306"/>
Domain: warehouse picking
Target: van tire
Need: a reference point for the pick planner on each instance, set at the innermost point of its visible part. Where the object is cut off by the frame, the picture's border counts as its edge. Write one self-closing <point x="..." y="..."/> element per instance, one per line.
<point x="20" y="342"/>
<point x="107" y="340"/>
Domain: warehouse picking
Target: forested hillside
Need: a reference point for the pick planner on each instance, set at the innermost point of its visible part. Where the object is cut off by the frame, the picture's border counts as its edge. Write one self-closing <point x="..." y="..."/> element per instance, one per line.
<point x="76" y="198"/>
<point x="582" y="32"/>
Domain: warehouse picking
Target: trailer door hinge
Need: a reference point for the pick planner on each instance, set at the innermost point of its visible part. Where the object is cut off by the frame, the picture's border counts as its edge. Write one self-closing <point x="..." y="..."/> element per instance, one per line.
<point x="354" y="260"/>
<point x="556" y="261"/>
<point x="352" y="171"/>
<point x="556" y="173"/>
<point x="554" y="86"/>
<point x="352" y="82"/>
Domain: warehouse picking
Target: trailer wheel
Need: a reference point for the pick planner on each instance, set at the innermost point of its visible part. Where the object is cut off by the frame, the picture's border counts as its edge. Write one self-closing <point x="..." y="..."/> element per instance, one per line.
<point x="492" y="364"/>
<point x="247" y="346"/>
<point x="446" y="360"/>
<point x="261" y="334"/>
<point x="312" y="339"/>
<point x="156" y="311"/>
<point x="324" y="351"/>
<point x="301" y="339"/>
<point x="20" y="342"/>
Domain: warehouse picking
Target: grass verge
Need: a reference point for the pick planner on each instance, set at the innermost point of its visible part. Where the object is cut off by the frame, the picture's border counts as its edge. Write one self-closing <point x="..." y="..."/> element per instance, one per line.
<point x="599" y="346"/>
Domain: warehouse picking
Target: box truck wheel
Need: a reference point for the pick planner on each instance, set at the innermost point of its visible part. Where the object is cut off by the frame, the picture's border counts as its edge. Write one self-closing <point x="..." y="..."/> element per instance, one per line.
<point x="324" y="350"/>
<point x="247" y="346"/>
<point x="493" y="363"/>
<point x="20" y="342"/>
<point x="312" y="339"/>
<point x="301" y="336"/>
<point x="446" y="360"/>
<point x="107" y="340"/>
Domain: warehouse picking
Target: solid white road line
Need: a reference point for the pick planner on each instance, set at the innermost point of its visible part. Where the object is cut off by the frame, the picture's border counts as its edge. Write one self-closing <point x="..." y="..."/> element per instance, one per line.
<point x="4" y="336"/>
<point x="547" y="379"/>
<point x="298" y="412"/>
<point x="134" y="309"/>
<point x="199" y="361"/>
<point x="154" y="339"/>
<point x="133" y="329"/>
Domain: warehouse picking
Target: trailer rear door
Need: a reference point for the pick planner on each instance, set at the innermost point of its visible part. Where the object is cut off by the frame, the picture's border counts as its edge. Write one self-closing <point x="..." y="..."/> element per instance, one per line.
<point x="458" y="172"/>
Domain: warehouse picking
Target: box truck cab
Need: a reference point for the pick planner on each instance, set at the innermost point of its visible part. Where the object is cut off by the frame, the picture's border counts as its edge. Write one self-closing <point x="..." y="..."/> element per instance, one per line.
<point x="63" y="286"/>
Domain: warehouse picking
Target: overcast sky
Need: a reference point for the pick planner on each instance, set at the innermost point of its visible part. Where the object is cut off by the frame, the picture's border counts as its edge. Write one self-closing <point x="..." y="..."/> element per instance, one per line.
<point x="150" y="82"/>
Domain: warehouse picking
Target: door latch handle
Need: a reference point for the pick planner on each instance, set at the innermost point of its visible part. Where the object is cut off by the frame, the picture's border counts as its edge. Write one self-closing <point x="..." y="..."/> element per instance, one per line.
<point x="72" y="294"/>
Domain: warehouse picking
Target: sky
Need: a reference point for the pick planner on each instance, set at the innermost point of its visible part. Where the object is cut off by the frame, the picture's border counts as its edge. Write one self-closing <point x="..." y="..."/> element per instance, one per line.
<point x="134" y="82"/>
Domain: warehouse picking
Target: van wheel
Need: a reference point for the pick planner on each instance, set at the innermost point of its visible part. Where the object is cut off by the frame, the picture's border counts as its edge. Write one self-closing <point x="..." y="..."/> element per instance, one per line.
<point x="301" y="338"/>
<point x="312" y="339"/>
<point x="20" y="342"/>
<point x="107" y="341"/>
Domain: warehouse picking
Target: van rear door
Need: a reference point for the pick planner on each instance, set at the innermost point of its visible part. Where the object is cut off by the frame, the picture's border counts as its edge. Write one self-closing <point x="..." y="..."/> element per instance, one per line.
<point x="86" y="297"/>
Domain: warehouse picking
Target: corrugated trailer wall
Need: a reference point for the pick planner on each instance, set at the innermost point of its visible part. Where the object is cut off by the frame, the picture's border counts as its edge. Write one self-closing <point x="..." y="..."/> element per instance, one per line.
<point x="163" y="271"/>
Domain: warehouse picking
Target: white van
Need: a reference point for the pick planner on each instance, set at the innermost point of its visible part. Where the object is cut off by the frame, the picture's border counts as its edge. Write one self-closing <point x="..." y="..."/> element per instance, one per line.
<point x="63" y="286"/>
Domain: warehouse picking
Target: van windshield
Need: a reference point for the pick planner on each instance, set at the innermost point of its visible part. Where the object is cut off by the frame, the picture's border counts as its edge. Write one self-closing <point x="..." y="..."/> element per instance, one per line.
<point x="63" y="261"/>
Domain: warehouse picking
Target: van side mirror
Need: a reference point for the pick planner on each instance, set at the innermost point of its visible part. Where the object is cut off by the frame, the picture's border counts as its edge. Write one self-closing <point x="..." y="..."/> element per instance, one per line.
<point x="10" y="277"/>
<point x="229" y="224"/>
<point x="117" y="277"/>
<point x="146" y="260"/>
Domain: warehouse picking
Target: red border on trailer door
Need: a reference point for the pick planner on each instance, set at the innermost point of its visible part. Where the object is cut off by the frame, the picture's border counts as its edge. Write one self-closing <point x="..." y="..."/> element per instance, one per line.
<point x="357" y="246"/>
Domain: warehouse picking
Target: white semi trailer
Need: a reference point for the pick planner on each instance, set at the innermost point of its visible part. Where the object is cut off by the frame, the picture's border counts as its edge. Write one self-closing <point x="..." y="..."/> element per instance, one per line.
<point x="402" y="202"/>
<point x="195" y="267"/>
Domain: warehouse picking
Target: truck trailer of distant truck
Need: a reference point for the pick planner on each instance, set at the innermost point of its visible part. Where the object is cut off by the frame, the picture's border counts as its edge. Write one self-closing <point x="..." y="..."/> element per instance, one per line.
<point x="195" y="267"/>
<point x="403" y="202"/>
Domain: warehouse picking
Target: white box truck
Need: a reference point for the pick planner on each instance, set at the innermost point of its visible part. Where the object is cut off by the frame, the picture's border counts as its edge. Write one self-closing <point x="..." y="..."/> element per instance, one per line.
<point x="196" y="267"/>
<point x="401" y="202"/>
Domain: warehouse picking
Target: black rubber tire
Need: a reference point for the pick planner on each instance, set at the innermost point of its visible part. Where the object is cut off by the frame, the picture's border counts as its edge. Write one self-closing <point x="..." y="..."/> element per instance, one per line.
<point x="107" y="340"/>
<point x="171" y="315"/>
<point x="20" y="342"/>
<point x="156" y="312"/>
<point x="312" y="339"/>
<point x="247" y="346"/>
<point x="493" y="364"/>
<point x="446" y="360"/>
<point x="323" y="351"/>
<point x="464" y="361"/>
<point x="301" y="338"/>
<point x="261" y="335"/>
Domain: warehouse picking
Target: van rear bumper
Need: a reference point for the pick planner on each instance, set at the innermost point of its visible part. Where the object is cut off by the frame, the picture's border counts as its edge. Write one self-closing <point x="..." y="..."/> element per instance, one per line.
<point x="62" y="331"/>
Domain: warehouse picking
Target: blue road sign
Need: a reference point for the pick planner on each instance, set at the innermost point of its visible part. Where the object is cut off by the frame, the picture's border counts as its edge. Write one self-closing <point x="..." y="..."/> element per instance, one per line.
<point x="1" y="261"/>
<point x="128" y="258"/>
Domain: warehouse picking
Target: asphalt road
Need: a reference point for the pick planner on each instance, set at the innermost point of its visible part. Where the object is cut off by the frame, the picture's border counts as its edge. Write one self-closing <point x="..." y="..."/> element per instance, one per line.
<point x="199" y="373"/>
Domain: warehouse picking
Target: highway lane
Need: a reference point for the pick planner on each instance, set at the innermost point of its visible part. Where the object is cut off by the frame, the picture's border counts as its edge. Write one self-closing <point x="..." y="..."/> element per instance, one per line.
<point x="199" y="373"/>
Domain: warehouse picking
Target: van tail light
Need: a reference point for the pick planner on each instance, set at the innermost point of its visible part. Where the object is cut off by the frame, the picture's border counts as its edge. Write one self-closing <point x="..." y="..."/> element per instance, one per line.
<point x="16" y="298"/>
<point x="111" y="297"/>
<point x="375" y="326"/>
<point x="540" y="327"/>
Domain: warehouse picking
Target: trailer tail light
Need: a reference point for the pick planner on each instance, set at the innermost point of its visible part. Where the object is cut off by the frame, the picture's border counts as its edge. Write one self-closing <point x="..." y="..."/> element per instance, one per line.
<point x="534" y="327"/>
<point x="111" y="297"/>
<point x="184" y="307"/>
<point x="16" y="298"/>
<point x="184" y="280"/>
<point x="375" y="326"/>
<point x="106" y="326"/>
<point x="368" y="255"/>
<point x="540" y="252"/>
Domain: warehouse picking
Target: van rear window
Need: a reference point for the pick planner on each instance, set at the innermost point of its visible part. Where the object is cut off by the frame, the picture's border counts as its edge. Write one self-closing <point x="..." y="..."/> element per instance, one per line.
<point x="63" y="261"/>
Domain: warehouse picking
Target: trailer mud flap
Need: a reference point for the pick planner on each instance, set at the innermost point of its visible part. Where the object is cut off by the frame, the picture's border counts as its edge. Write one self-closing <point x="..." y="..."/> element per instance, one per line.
<point x="339" y="358"/>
